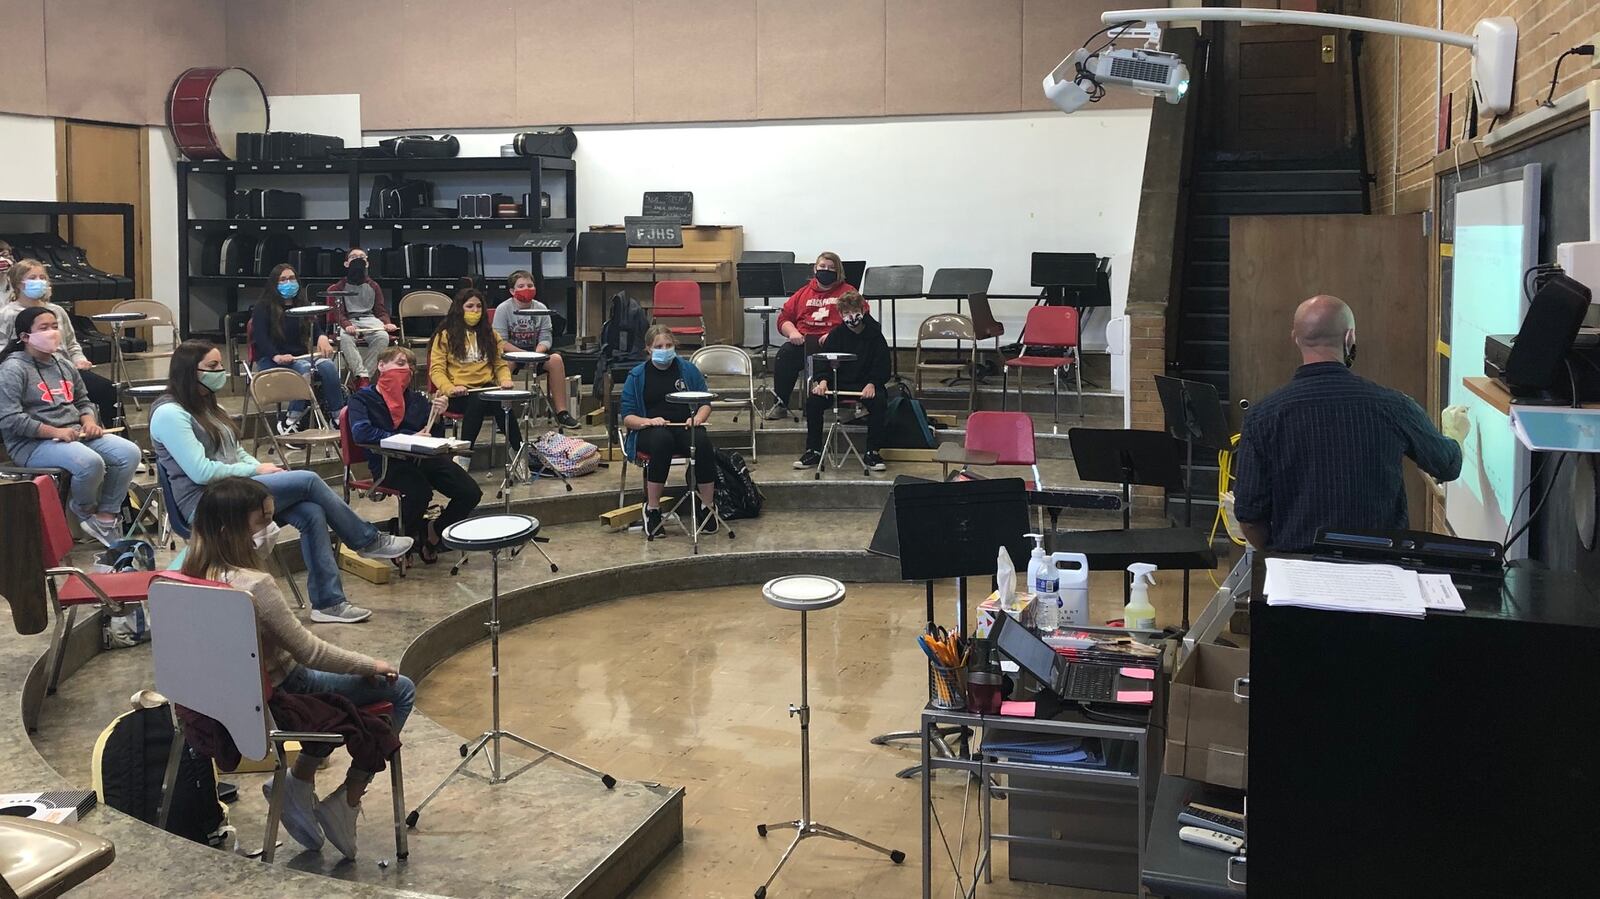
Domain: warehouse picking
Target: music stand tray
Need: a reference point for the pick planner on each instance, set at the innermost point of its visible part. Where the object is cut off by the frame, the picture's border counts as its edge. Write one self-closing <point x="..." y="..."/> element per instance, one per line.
<point x="761" y="280"/>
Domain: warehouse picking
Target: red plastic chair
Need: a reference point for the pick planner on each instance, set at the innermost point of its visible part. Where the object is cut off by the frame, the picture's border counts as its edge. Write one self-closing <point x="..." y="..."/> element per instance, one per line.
<point x="1048" y="326"/>
<point x="107" y="591"/>
<point x="1009" y="435"/>
<point x="679" y="299"/>
<point x="353" y="454"/>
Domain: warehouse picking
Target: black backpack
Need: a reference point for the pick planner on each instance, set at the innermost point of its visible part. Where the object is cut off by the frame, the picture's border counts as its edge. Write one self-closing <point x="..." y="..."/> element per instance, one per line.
<point x="130" y="761"/>
<point x="621" y="338"/>
<point x="905" y="422"/>
<point x="737" y="495"/>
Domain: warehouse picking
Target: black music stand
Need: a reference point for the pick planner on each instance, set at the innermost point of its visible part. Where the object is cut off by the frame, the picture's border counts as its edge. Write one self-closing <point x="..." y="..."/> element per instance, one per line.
<point x="1193" y="413"/>
<point x="652" y="233"/>
<point x="795" y="276"/>
<point x="1148" y="459"/>
<point x="601" y="250"/>
<point x="956" y="283"/>
<point x="950" y="530"/>
<point x="767" y="256"/>
<point x="854" y="269"/>
<point x="892" y="282"/>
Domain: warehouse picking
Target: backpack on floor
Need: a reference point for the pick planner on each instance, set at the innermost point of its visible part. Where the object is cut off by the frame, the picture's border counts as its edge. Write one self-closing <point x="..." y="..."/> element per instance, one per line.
<point x="737" y="495"/>
<point x="132" y="627"/>
<point x="129" y="763"/>
<point x="905" y="422"/>
<point x="571" y="456"/>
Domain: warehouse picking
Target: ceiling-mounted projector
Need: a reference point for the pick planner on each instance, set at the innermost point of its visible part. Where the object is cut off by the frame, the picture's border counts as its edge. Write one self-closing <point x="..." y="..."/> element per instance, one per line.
<point x="1081" y="78"/>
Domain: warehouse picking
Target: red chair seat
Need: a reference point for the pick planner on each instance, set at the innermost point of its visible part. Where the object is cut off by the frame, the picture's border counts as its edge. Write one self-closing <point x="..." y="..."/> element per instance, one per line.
<point x="365" y="486"/>
<point x="694" y="330"/>
<point x="379" y="709"/>
<point x="1037" y="362"/>
<point x="123" y="586"/>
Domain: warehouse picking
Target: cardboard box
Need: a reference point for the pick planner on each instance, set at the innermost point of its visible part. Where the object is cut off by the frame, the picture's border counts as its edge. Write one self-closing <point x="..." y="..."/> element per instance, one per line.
<point x="1208" y="730"/>
<point x="375" y="571"/>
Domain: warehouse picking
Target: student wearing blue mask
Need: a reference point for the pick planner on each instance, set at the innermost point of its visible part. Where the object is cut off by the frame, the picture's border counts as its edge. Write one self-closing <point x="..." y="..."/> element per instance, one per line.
<point x="279" y="342"/>
<point x="26" y="285"/>
<point x="655" y="426"/>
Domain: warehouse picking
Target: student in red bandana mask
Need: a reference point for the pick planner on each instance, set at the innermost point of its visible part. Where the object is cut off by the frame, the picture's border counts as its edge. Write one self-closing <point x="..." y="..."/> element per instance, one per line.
<point x="533" y="332"/>
<point x="391" y="405"/>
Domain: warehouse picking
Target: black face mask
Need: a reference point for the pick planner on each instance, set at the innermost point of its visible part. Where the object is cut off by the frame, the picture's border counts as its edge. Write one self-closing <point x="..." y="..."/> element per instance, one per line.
<point x="1350" y="356"/>
<point x="357" y="271"/>
<point x="826" y="276"/>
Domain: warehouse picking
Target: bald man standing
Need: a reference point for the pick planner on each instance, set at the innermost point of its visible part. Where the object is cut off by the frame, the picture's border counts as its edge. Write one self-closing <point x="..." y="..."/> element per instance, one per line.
<point x="1324" y="450"/>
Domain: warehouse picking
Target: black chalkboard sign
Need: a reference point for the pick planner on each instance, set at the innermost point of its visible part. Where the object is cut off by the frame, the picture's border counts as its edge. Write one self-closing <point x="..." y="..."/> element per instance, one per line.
<point x="648" y="231"/>
<point x="673" y="204"/>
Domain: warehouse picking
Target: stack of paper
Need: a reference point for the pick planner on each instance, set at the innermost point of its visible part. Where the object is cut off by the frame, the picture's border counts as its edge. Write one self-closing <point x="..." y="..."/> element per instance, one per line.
<point x="1341" y="587"/>
<point x="421" y="443"/>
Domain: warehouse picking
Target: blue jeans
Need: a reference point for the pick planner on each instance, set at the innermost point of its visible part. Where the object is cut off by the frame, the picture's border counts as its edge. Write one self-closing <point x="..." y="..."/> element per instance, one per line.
<point x="328" y="376"/>
<point x="356" y="688"/>
<point x="303" y="500"/>
<point x="101" y="470"/>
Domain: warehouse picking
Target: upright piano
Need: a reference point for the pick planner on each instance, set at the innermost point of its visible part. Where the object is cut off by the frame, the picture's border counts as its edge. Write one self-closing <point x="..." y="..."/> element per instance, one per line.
<point x="707" y="256"/>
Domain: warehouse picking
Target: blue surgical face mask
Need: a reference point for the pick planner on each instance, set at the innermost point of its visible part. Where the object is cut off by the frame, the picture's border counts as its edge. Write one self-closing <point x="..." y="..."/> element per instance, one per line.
<point x="35" y="288"/>
<point x="288" y="289"/>
<point x="663" y="357"/>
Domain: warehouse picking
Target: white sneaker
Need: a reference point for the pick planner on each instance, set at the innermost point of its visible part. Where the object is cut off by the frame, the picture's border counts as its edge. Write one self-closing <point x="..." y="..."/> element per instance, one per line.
<point x="343" y="613"/>
<point x="299" y="811"/>
<point x="338" y="820"/>
<point x="387" y="546"/>
<point x="465" y="462"/>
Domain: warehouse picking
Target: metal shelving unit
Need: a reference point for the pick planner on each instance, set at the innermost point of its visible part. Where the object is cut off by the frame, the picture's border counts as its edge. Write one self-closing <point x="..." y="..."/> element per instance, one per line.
<point x="203" y="189"/>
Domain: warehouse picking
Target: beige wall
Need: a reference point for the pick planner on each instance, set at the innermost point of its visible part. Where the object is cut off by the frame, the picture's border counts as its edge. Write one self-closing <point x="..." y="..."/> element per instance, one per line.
<point x="1545" y="28"/>
<point x="512" y="63"/>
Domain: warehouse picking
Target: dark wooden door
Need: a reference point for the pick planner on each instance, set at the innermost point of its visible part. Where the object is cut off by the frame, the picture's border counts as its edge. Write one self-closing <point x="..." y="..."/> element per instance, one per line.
<point x="1376" y="263"/>
<point x="1281" y="90"/>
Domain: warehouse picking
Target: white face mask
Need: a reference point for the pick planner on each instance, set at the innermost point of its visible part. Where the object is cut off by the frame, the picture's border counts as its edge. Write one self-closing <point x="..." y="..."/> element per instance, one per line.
<point x="266" y="536"/>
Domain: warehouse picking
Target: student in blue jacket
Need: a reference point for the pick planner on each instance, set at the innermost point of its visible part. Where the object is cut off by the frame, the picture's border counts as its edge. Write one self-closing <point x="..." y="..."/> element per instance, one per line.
<point x="389" y="406"/>
<point x="649" y="419"/>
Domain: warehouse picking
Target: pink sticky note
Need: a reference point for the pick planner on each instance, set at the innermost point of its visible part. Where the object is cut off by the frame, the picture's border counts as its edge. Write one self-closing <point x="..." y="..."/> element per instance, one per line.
<point x="1139" y="673"/>
<point x="1140" y="696"/>
<point x="1017" y="709"/>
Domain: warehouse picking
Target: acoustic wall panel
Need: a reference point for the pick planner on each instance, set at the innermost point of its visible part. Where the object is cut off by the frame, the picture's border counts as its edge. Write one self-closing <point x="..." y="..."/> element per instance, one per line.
<point x="822" y="59"/>
<point x="694" y="60"/>
<point x="1052" y="29"/>
<point x="22" y="65"/>
<point x="458" y="66"/>
<point x="178" y="34"/>
<point x="574" y="61"/>
<point x="95" y="61"/>
<point x="355" y="47"/>
<point x="952" y="56"/>
<point x="257" y="33"/>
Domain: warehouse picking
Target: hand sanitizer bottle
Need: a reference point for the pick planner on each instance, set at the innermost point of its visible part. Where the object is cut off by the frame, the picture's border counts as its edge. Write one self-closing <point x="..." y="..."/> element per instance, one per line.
<point x="1139" y="613"/>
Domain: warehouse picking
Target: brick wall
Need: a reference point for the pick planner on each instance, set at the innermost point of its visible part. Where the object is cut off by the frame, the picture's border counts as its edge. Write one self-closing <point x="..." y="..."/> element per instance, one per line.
<point x="1545" y="28"/>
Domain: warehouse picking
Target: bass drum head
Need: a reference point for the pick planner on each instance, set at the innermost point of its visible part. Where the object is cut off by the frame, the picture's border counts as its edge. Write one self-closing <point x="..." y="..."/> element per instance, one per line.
<point x="237" y="103"/>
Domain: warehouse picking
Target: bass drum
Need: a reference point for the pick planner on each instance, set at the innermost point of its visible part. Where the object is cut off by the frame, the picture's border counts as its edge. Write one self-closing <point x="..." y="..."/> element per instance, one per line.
<point x="208" y="107"/>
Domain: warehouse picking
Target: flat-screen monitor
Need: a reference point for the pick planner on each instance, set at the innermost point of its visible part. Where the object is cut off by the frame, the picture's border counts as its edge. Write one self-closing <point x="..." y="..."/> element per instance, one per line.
<point x="1496" y="241"/>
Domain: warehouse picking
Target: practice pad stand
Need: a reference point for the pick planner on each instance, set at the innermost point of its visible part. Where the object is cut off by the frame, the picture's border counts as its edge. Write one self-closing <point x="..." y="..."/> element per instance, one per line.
<point x="491" y="738"/>
<point x="694" y="495"/>
<point x="837" y="427"/>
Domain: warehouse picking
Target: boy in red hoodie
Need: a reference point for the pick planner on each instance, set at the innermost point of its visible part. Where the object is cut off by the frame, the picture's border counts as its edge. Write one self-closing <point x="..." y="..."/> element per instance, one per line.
<point x="806" y="319"/>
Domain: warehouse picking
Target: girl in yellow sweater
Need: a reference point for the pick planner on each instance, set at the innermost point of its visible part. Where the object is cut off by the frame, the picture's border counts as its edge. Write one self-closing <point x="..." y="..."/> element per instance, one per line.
<point x="465" y="354"/>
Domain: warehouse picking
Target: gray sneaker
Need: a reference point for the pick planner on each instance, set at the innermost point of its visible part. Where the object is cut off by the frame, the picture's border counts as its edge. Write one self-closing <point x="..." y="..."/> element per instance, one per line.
<point x="107" y="532"/>
<point x="343" y="613"/>
<point x="778" y="412"/>
<point x="387" y="546"/>
<point x="299" y="811"/>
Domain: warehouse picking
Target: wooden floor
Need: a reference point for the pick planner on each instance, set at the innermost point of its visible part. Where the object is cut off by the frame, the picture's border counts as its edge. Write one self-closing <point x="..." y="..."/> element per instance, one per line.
<point x="693" y="689"/>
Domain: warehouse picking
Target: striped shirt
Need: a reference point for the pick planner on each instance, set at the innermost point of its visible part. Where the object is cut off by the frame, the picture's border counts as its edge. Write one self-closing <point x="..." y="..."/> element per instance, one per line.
<point x="1324" y="451"/>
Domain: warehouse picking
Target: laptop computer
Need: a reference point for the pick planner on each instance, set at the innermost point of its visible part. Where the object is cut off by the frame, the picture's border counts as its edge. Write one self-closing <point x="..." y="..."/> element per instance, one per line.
<point x="1071" y="681"/>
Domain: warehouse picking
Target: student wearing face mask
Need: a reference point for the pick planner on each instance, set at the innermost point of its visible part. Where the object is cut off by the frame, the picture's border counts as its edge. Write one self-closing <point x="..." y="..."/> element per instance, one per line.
<point x="279" y="342"/>
<point x="857" y="333"/>
<point x="359" y="308"/>
<point x="47" y="421"/>
<point x="27" y="286"/>
<point x="655" y="426"/>
<point x="8" y="258"/>
<point x="804" y="322"/>
<point x="196" y="445"/>
<point x="391" y="406"/>
<point x="232" y="522"/>
<point x="536" y="333"/>
<point x="465" y="356"/>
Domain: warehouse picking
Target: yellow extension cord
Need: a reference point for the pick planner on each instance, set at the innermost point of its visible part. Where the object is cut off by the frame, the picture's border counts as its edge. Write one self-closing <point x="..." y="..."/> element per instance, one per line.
<point x="1224" y="482"/>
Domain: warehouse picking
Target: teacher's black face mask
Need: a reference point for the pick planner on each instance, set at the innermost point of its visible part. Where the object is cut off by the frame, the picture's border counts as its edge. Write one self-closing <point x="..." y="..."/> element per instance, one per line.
<point x="826" y="277"/>
<point x="1350" y="356"/>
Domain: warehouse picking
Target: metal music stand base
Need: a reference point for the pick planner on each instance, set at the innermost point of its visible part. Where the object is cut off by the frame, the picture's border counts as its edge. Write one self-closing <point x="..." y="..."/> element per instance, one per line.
<point x="804" y="826"/>
<point x="490" y="739"/>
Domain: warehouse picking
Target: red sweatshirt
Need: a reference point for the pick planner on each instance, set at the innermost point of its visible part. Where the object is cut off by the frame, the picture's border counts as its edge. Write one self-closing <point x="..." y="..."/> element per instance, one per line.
<point x="813" y="310"/>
